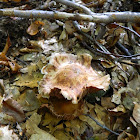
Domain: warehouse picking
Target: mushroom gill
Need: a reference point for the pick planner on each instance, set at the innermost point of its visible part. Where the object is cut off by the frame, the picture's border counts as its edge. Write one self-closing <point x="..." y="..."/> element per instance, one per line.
<point x="67" y="79"/>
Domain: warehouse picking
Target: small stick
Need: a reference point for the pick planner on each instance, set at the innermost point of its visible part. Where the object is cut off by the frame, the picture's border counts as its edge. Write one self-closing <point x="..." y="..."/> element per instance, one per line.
<point x="127" y="28"/>
<point x="118" y="55"/>
<point x="103" y="126"/>
<point x="123" y="49"/>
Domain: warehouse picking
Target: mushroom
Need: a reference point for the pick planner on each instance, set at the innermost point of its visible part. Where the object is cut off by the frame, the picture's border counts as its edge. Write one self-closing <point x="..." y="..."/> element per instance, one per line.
<point x="67" y="79"/>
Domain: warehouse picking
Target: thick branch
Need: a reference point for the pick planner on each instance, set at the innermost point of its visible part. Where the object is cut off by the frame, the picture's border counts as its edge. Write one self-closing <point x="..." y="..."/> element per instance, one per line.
<point x="96" y="17"/>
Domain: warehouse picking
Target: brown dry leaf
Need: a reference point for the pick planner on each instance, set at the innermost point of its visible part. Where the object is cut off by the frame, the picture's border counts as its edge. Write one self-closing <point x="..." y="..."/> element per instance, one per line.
<point x="128" y="101"/>
<point x="119" y="78"/>
<point x="4" y="60"/>
<point x="29" y="80"/>
<point x="2" y="88"/>
<point x="7" y="45"/>
<point x="136" y="113"/>
<point x="90" y="122"/>
<point x="119" y="110"/>
<point x="50" y="121"/>
<point x="106" y="103"/>
<point x="69" y="27"/>
<point x="5" y="119"/>
<point x="64" y="35"/>
<point x="107" y="64"/>
<point x="116" y="98"/>
<point x="136" y="27"/>
<point x="116" y="34"/>
<point x="3" y="56"/>
<point x="30" y="68"/>
<point x="49" y="29"/>
<point x="14" y="66"/>
<point x="13" y="108"/>
<point x="28" y="100"/>
<point x="61" y="135"/>
<point x="33" y="28"/>
<point x="28" y="50"/>
<point x="134" y="84"/>
<point x="34" y="131"/>
<point x="78" y="126"/>
<point x="102" y="115"/>
<point x="126" y="136"/>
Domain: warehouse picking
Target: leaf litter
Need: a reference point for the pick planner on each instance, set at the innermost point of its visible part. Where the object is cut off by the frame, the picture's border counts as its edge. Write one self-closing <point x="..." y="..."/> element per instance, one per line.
<point x="27" y="57"/>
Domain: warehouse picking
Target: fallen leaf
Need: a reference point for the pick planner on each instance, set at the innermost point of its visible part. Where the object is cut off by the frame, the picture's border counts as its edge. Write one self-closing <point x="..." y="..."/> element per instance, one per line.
<point x="61" y="135"/>
<point x="78" y="125"/>
<point x="69" y="27"/>
<point x="125" y="135"/>
<point x="50" y="121"/>
<point x="29" y="80"/>
<point x="7" y="45"/>
<point x="2" y="88"/>
<point x="119" y="110"/>
<point x="116" y="98"/>
<point x="13" y="108"/>
<point x="106" y="103"/>
<point x="30" y="69"/>
<point x="28" y="100"/>
<point x="34" y="131"/>
<point x="136" y="113"/>
<point x="64" y="35"/>
<point x="128" y="102"/>
<point x="33" y="28"/>
<point x="14" y="66"/>
<point x="102" y="115"/>
<point x="5" y="119"/>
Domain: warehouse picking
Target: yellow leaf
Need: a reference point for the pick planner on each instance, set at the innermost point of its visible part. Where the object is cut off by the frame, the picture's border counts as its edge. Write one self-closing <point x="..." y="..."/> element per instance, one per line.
<point x="29" y="80"/>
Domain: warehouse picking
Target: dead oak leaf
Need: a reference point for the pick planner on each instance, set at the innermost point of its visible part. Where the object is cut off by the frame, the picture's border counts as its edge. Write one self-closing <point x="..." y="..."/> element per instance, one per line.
<point x="13" y="108"/>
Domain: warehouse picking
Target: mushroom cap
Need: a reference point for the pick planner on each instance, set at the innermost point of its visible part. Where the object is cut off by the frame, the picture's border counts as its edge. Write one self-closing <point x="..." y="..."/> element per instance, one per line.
<point x="71" y="77"/>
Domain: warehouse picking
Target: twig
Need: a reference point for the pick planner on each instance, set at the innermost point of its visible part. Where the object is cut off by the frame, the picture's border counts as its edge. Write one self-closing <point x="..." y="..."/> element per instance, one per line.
<point x="131" y="63"/>
<point x="123" y="49"/>
<point x="88" y="36"/>
<point x="99" y="52"/>
<point x="103" y="126"/>
<point x="21" y="61"/>
<point x="97" y="18"/>
<point x="127" y="28"/>
<point x="118" y="55"/>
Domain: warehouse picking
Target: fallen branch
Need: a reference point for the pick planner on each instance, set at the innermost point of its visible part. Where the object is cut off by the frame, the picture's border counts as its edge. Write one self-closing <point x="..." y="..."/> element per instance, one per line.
<point x="107" y="17"/>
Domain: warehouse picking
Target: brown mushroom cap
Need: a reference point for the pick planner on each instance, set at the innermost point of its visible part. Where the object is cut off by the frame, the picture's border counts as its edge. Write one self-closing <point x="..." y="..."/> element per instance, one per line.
<point x="67" y="78"/>
<point x="72" y="76"/>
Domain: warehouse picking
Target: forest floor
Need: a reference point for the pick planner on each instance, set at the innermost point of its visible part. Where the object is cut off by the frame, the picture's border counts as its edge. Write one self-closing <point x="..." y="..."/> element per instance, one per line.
<point x="58" y="81"/>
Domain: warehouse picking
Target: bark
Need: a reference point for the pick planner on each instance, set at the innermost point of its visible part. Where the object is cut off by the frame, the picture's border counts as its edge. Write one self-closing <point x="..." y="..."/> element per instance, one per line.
<point x="108" y="17"/>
